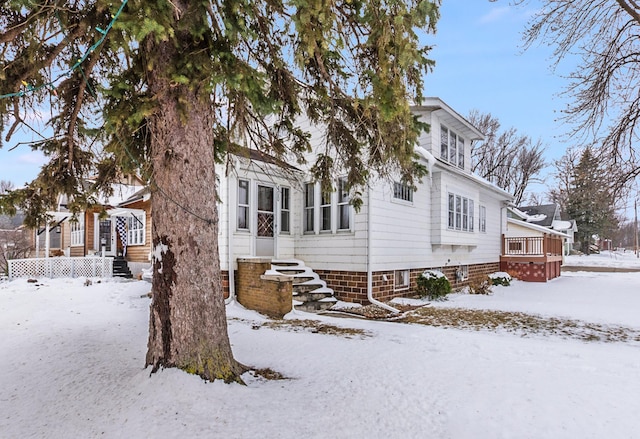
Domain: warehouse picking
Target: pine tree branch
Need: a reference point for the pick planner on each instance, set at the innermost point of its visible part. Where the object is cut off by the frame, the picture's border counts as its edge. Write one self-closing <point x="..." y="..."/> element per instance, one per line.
<point x="17" y="28"/>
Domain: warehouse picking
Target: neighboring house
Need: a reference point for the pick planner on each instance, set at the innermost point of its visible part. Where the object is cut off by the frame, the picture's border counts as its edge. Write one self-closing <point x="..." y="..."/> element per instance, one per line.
<point x="453" y="222"/>
<point x="16" y="241"/>
<point x="550" y="216"/>
<point x="532" y="251"/>
<point x="118" y="225"/>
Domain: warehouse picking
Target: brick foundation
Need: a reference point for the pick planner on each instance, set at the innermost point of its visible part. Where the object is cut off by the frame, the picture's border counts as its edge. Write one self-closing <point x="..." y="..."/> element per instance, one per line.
<point x="351" y="286"/>
<point x="268" y="294"/>
<point x="532" y="271"/>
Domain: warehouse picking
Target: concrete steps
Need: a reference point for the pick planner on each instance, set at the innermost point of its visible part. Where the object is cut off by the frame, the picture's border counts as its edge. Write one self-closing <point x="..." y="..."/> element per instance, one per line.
<point x="310" y="293"/>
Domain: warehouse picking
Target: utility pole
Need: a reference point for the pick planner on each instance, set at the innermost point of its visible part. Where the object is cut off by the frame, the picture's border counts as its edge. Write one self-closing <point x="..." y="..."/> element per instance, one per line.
<point x="635" y="226"/>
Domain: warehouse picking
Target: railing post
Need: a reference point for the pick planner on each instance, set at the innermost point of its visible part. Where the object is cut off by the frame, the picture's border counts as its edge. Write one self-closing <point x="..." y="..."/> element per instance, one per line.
<point x="503" y="244"/>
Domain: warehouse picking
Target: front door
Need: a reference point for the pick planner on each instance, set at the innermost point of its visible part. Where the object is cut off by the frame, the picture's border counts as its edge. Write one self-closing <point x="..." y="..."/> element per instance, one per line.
<point x="107" y="237"/>
<point x="265" y="230"/>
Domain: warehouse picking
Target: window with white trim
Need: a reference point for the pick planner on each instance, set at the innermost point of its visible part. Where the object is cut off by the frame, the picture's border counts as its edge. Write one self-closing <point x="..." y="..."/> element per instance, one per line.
<point x="309" y="207"/>
<point x="243" y="205"/>
<point x="77" y="231"/>
<point x="402" y="191"/>
<point x="136" y="229"/>
<point x="482" y="222"/>
<point x="400" y="280"/>
<point x="334" y="208"/>
<point x="285" y="213"/>
<point x="325" y="212"/>
<point x="460" y="213"/>
<point x="451" y="147"/>
<point x="344" y="207"/>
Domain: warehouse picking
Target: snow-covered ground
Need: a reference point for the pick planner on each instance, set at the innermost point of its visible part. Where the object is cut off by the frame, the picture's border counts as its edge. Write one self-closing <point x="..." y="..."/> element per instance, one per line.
<point x="72" y="356"/>
<point x="618" y="259"/>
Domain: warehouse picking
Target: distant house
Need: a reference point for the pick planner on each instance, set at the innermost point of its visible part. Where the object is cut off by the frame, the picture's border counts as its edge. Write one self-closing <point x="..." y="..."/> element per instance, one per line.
<point x="550" y="216"/>
<point x="16" y="241"/>
<point x="117" y="225"/>
<point x="532" y="251"/>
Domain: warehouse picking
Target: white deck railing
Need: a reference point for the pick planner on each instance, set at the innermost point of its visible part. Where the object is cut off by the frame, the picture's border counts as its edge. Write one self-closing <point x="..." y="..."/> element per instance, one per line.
<point x="89" y="266"/>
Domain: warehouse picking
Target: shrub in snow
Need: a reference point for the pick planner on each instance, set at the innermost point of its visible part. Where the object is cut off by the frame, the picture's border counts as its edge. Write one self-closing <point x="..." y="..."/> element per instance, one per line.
<point x="480" y="285"/>
<point x="500" y="278"/>
<point x="433" y="284"/>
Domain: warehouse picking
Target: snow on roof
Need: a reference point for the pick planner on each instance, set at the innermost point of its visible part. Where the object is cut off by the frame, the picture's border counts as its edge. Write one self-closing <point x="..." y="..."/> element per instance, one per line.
<point x="562" y="225"/>
<point x="536" y="218"/>
<point x="121" y="193"/>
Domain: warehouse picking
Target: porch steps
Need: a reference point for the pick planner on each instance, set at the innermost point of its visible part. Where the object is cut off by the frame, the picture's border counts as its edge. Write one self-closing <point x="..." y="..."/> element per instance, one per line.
<point x="310" y="293"/>
<point x="121" y="268"/>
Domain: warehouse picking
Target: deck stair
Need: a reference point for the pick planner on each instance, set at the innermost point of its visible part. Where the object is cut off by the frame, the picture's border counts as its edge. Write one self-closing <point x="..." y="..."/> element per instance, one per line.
<point x="310" y="293"/>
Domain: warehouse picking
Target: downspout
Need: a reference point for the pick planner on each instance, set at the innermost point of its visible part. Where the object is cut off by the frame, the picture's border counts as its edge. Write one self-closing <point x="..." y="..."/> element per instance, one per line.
<point x="231" y="273"/>
<point x="369" y="259"/>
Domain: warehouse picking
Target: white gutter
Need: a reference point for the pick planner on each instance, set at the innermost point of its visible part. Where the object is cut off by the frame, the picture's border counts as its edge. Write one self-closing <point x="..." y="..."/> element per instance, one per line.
<point x="431" y="160"/>
<point x="369" y="258"/>
<point x="231" y="273"/>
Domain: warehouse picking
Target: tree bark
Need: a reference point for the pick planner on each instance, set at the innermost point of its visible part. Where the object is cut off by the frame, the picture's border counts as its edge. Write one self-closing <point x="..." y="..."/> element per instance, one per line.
<point x="187" y="326"/>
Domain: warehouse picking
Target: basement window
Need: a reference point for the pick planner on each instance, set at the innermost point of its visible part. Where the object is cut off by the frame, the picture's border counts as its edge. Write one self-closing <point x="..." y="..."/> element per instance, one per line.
<point x="401" y="280"/>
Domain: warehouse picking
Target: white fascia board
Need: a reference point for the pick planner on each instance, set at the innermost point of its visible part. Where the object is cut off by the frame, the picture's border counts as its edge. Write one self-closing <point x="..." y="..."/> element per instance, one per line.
<point x="536" y="227"/>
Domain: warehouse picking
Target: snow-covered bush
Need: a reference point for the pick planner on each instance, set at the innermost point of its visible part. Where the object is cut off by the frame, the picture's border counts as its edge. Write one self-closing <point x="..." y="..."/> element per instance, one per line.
<point x="500" y="278"/>
<point x="433" y="284"/>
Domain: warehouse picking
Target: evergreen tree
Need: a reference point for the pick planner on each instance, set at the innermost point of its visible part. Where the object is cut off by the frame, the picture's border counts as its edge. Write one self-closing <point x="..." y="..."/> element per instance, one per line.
<point x="589" y="201"/>
<point x="168" y="86"/>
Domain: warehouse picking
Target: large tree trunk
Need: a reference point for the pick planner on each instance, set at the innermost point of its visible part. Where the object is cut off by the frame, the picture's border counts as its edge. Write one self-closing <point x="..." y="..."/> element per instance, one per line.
<point x="187" y="327"/>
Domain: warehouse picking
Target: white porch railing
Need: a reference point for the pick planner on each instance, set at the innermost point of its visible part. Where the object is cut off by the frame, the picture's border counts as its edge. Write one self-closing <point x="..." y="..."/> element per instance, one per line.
<point x="89" y="266"/>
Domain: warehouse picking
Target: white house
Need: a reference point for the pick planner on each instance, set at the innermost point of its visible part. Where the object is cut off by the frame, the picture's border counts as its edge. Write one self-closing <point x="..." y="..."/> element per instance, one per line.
<point x="454" y="221"/>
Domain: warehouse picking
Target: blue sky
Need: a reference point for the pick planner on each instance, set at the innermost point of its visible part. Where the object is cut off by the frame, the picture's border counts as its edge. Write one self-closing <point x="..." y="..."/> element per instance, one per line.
<point x="479" y="65"/>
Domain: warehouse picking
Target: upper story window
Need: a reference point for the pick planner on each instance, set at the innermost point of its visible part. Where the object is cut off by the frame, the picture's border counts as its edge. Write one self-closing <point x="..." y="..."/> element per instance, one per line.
<point x="461" y="213"/>
<point x="243" y="204"/>
<point x="77" y="231"/>
<point x="451" y="147"/>
<point x="402" y="191"/>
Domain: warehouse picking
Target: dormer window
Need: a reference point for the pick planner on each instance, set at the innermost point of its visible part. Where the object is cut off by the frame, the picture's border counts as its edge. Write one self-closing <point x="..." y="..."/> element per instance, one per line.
<point x="451" y="147"/>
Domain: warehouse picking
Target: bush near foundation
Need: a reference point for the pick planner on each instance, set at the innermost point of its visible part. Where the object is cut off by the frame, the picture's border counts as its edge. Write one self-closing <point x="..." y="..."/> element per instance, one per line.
<point x="433" y="284"/>
<point x="500" y="278"/>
